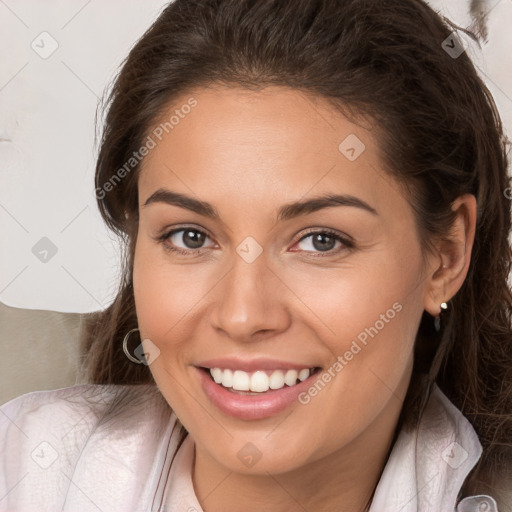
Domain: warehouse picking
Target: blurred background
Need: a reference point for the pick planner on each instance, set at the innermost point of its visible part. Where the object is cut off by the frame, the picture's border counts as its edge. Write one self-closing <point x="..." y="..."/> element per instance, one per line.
<point x="57" y="260"/>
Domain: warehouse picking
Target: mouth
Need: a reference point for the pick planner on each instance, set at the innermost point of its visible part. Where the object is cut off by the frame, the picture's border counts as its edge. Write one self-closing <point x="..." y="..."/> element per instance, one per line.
<point x="258" y="382"/>
<point x="254" y="389"/>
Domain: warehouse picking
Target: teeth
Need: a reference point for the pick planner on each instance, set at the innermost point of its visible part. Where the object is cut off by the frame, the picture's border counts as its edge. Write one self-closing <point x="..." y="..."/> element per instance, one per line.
<point x="276" y="380"/>
<point x="216" y="374"/>
<point x="303" y="374"/>
<point x="240" y="381"/>
<point x="227" y="378"/>
<point x="290" y="378"/>
<point x="258" y="381"/>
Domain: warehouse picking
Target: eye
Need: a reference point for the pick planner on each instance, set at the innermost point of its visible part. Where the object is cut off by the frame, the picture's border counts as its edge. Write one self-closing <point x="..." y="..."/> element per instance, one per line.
<point x="189" y="242"/>
<point x="191" y="239"/>
<point x="324" y="241"/>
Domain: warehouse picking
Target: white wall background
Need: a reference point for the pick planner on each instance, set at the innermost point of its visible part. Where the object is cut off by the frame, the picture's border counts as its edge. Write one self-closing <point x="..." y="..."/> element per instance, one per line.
<point x="56" y="58"/>
<point x="47" y="156"/>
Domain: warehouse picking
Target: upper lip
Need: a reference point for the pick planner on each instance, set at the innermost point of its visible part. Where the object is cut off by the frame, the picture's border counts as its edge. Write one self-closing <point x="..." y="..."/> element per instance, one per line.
<point x="251" y="365"/>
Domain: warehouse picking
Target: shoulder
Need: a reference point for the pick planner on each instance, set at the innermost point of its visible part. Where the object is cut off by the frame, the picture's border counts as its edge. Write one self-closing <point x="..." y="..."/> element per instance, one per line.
<point x="69" y="415"/>
<point x="81" y="408"/>
<point x="93" y="432"/>
<point x="58" y="408"/>
<point x="63" y="397"/>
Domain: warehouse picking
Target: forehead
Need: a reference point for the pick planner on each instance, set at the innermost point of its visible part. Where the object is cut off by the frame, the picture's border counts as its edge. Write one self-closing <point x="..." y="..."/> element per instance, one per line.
<point x="276" y="142"/>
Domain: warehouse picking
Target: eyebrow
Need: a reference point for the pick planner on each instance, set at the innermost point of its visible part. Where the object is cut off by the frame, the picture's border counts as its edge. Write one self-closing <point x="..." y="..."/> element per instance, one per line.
<point x="286" y="212"/>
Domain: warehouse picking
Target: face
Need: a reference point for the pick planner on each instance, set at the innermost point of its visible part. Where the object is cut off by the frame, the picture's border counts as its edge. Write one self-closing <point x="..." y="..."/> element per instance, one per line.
<point x="246" y="262"/>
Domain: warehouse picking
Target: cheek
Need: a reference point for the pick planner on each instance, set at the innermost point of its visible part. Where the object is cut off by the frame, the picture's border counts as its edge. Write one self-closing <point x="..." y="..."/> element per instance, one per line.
<point x="167" y="297"/>
<point x="367" y="316"/>
<point x="164" y="298"/>
<point x="374" y="296"/>
<point x="368" y="323"/>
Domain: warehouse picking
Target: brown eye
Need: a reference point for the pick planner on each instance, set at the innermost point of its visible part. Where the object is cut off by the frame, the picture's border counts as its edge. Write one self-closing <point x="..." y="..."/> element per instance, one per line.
<point x="187" y="241"/>
<point x="191" y="238"/>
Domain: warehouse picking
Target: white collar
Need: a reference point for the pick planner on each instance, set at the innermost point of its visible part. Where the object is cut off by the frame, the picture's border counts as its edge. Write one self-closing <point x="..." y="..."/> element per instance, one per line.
<point x="427" y="467"/>
<point x="424" y="473"/>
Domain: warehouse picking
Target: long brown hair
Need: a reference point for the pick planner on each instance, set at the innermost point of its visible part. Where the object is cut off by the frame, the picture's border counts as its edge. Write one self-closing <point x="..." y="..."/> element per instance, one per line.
<point x="439" y="134"/>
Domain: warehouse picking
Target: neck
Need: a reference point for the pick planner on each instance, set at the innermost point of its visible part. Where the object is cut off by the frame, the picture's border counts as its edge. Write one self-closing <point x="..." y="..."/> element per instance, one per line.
<point x="344" y="480"/>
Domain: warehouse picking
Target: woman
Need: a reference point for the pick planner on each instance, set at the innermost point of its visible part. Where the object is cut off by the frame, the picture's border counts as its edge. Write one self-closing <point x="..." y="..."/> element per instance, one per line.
<point x="314" y="313"/>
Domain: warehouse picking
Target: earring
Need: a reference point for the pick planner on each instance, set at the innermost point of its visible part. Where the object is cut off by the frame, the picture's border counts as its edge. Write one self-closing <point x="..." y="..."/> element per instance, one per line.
<point x="437" y="320"/>
<point x="125" y="347"/>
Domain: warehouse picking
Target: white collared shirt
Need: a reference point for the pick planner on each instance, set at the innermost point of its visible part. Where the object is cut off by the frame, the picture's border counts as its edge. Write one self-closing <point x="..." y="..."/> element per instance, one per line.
<point x="64" y="450"/>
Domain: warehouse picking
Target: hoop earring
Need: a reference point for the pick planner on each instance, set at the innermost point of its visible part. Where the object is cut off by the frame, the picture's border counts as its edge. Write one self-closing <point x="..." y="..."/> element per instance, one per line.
<point x="437" y="320"/>
<point x="125" y="347"/>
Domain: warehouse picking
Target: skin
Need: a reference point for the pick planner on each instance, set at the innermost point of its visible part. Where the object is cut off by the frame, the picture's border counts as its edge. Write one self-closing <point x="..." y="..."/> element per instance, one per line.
<point x="249" y="153"/>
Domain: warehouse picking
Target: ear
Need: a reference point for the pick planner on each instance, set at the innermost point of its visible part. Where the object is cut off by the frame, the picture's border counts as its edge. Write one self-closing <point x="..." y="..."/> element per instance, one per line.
<point x="449" y="265"/>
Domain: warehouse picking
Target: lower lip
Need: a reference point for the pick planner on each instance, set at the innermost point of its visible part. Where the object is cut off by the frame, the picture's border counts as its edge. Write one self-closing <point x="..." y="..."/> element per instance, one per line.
<point x="252" y="407"/>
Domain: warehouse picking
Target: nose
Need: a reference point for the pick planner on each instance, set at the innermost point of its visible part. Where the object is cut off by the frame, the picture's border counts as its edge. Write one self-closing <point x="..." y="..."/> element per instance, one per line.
<point x="250" y="302"/>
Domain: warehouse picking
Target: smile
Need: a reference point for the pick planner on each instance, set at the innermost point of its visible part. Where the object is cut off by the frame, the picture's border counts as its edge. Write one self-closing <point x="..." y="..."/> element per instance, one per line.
<point x="254" y="393"/>
<point x="259" y="381"/>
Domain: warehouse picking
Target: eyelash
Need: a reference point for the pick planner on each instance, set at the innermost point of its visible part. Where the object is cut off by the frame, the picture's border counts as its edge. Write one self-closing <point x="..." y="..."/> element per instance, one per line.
<point x="349" y="244"/>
